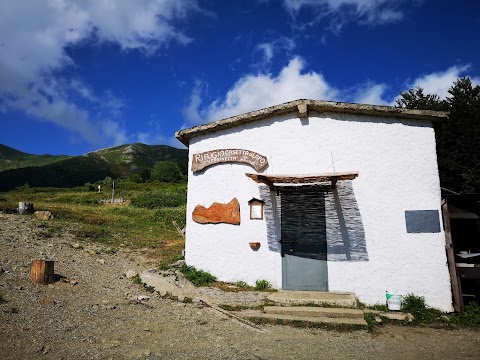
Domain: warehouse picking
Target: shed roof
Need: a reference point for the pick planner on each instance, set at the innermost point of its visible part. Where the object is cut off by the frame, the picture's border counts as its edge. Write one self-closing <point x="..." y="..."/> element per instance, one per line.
<point x="303" y="106"/>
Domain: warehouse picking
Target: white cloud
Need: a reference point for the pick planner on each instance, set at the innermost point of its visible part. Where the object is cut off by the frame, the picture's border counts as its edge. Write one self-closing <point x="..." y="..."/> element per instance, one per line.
<point x="336" y="13"/>
<point x="258" y="91"/>
<point x="253" y="92"/>
<point x="33" y="38"/>
<point x="156" y="139"/>
<point x="439" y="82"/>
<point x="154" y="134"/>
<point x="191" y="111"/>
<point x="269" y="49"/>
<point x="113" y="130"/>
<point x="368" y="93"/>
<point x="83" y="90"/>
<point x="133" y="25"/>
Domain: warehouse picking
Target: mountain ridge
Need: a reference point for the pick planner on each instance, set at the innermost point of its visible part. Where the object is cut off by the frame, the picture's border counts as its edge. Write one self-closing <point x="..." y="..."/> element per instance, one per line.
<point x="11" y="158"/>
<point x="70" y="171"/>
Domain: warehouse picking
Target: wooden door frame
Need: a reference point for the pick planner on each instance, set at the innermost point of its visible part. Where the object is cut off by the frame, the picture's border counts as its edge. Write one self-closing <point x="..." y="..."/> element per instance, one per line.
<point x="452" y="265"/>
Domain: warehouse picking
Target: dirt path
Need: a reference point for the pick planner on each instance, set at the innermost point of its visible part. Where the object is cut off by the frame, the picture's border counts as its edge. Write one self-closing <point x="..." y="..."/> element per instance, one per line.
<point x="96" y="315"/>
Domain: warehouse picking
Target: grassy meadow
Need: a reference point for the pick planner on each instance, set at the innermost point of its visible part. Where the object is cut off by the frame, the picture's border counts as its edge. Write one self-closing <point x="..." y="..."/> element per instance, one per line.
<point x="143" y="221"/>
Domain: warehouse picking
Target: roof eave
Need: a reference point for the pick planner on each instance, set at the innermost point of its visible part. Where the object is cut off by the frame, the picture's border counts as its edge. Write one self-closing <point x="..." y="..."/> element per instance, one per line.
<point x="303" y="106"/>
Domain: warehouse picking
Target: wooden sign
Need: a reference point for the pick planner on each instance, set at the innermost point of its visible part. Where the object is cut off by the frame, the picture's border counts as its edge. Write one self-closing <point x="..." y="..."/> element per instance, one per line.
<point x="202" y="160"/>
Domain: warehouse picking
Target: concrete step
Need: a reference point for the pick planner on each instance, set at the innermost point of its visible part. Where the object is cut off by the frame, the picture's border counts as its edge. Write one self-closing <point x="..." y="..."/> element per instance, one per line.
<point x="312" y="311"/>
<point x="397" y="315"/>
<point x="314" y="297"/>
<point x="311" y="319"/>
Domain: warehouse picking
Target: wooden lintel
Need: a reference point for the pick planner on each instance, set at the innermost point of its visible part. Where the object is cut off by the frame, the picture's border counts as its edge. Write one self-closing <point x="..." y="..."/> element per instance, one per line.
<point x="270" y="180"/>
<point x="258" y="178"/>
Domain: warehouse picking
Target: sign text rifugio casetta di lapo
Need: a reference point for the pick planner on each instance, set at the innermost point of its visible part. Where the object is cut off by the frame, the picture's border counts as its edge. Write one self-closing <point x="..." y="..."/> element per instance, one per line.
<point x="202" y="160"/>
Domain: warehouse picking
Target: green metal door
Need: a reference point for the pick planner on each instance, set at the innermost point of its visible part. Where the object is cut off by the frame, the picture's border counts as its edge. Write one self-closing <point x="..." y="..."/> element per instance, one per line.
<point x="304" y="240"/>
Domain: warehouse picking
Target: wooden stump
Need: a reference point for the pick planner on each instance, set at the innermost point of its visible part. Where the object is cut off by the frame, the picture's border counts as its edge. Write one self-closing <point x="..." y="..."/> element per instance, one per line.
<point x="42" y="272"/>
<point x="25" y="208"/>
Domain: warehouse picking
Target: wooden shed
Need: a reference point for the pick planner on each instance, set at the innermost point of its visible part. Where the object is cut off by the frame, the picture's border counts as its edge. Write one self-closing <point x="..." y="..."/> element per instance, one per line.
<point x="461" y="216"/>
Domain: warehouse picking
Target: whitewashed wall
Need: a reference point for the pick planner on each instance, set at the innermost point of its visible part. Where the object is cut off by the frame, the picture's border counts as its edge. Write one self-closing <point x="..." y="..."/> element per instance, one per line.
<point x="397" y="166"/>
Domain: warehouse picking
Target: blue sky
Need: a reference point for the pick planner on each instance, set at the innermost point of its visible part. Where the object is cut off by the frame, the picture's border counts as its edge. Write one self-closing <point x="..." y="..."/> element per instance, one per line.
<point x="76" y="76"/>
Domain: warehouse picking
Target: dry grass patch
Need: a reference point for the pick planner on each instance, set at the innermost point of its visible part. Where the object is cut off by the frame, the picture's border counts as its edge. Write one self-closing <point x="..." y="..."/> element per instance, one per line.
<point x="114" y="225"/>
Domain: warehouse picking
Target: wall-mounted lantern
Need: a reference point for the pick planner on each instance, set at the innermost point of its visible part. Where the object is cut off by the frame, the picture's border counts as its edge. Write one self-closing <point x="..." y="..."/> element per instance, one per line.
<point x="256" y="209"/>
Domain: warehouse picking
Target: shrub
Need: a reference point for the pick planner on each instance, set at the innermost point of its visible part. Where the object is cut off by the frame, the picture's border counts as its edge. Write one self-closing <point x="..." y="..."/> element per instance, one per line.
<point x="197" y="277"/>
<point x="262" y="285"/>
<point x="136" y="178"/>
<point x="471" y="315"/>
<point x="137" y="279"/>
<point x="416" y="306"/>
<point x="90" y="187"/>
<point x="241" y="284"/>
<point x="370" y="319"/>
<point x="166" y="171"/>
<point x="107" y="181"/>
<point x="23" y="187"/>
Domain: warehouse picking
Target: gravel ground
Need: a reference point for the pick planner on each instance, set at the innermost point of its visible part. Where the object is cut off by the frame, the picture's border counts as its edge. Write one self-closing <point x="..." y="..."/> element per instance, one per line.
<point x="93" y="313"/>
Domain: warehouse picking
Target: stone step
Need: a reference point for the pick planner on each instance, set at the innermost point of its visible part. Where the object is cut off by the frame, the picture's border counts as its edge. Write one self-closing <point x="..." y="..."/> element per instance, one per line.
<point x="312" y="311"/>
<point x="311" y="319"/>
<point x="338" y="299"/>
<point x="398" y="315"/>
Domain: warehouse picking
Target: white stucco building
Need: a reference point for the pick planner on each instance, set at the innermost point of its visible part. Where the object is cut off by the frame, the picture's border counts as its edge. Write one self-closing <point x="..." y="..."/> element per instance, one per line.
<point x="350" y="193"/>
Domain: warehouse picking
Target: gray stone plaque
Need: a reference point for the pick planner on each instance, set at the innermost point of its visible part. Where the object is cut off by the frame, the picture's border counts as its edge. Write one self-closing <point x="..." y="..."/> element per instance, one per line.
<point x="422" y="221"/>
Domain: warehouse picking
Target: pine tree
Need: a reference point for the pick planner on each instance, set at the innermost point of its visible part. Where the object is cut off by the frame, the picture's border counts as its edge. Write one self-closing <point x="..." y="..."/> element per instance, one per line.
<point x="458" y="138"/>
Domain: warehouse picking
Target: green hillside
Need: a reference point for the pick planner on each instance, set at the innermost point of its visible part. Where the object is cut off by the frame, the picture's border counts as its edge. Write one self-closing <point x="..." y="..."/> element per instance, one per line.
<point x="14" y="159"/>
<point x="116" y="162"/>
<point x="126" y="159"/>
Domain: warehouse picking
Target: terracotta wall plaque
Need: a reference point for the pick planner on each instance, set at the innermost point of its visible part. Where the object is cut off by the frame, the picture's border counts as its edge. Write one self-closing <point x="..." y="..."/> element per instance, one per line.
<point x="202" y="160"/>
<point x="218" y="213"/>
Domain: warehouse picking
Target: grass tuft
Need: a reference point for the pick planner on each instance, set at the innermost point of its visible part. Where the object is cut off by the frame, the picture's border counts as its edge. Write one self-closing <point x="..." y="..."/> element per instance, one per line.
<point x="379" y="307"/>
<point x="470" y="317"/>
<point x="160" y="199"/>
<point x="416" y="306"/>
<point x="229" y="307"/>
<point x="197" y="277"/>
<point x="262" y="285"/>
<point x="137" y="280"/>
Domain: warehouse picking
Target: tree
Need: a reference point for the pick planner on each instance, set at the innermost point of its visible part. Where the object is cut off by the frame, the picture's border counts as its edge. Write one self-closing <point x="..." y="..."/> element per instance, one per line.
<point x="458" y="138"/>
<point x="166" y="171"/>
<point x="416" y="99"/>
<point x="145" y="174"/>
<point x="183" y="165"/>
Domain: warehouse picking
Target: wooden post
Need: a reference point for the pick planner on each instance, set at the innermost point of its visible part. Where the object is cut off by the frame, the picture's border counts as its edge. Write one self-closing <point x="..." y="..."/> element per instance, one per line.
<point x="452" y="266"/>
<point x="42" y="272"/>
<point x="25" y="208"/>
<point x="180" y="231"/>
<point x="113" y="191"/>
